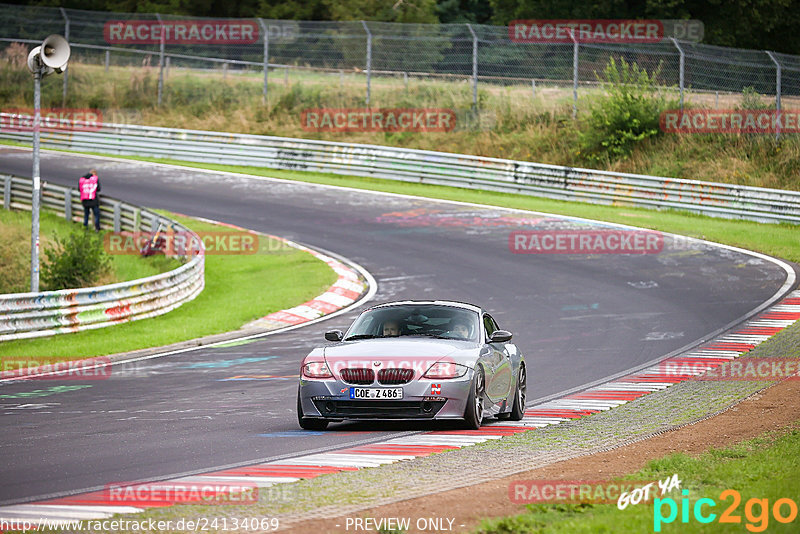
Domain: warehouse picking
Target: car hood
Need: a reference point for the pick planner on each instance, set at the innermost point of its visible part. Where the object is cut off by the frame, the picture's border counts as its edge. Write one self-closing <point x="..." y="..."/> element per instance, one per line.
<point x="413" y="353"/>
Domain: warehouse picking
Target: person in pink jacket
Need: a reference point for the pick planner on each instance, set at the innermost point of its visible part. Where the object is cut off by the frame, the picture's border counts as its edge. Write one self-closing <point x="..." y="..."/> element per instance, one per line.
<point x="89" y="186"/>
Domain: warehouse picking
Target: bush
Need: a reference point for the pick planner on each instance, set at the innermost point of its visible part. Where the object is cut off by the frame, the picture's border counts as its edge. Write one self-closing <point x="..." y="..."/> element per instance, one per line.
<point x="77" y="261"/>
<point x="628" y="114"/>
<point x="751" y="99"/>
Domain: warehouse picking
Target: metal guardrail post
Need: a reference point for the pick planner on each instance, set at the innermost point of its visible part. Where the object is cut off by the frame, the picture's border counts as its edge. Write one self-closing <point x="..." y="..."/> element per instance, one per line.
<point x="107" y="59"/>
<point x="777" y="93"/>
<point x="162" y="43"/>
<point x="66" y="72"/>
<point x="68" y="204"/>
<point x="574" y="75"/>
<point x="137" y="219"/>
<point x="266" y="55"/>
<point x="7" y="193"/>
<point x="369" y="59"/>
<point x="117" y="216"/>
<point x="681" y="67"/>
<point x="474" y="67"/>
<point x="154" y="221"/>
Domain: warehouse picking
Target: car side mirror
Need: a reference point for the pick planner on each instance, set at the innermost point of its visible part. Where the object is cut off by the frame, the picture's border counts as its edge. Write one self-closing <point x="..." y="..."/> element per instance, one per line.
<point x="334" y="335"/>
<point x="500" y="336"/>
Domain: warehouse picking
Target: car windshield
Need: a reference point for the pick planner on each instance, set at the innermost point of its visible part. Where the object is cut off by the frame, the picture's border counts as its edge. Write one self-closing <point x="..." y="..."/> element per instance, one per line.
<point x="445" y="322"/>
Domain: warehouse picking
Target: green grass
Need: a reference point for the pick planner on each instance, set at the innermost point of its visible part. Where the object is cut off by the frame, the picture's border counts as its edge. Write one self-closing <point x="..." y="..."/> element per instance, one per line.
<point x="15" y="252"/>
<point x="238" y="289"/>
<point x="762" y="468"/>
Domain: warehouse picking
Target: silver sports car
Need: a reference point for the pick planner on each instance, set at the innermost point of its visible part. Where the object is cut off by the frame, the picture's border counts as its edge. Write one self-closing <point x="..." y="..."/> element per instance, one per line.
<point x="414" y="360"/>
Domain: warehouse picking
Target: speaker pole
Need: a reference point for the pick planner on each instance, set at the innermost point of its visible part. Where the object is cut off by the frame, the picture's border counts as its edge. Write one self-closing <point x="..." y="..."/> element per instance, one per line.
<point x="52" y="56"/>
<point x="37" y="118"/>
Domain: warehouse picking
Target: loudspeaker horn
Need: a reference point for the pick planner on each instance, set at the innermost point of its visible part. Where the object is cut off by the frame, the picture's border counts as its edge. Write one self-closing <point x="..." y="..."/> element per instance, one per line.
<point x="55" y="52"/>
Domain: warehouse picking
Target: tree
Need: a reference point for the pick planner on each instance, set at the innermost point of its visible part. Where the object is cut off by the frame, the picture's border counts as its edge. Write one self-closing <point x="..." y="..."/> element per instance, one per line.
<point x="464" y="11"/>
<point x="423" y="11"/>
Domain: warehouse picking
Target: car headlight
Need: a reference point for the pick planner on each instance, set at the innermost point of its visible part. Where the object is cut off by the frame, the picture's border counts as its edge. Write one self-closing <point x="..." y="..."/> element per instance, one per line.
<point x="316" y="370"/>
<point x="445" y="370"/>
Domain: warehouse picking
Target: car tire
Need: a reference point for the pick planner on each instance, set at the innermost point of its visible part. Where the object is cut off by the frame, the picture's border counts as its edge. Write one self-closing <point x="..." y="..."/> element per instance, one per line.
<point x="307" y="423"/>
<point x="520" y="396"/>
<point x="473" y="413"/>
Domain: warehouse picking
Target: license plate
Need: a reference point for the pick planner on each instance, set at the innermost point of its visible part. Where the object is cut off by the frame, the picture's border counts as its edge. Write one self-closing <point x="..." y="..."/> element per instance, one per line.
<point x="376" y="393"/>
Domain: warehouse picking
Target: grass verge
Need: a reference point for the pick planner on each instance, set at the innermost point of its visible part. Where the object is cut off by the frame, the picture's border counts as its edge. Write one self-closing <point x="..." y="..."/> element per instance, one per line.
<point x="761" y="471"/>
<point x="15" y="252"/>
<point x="238" y="289"/>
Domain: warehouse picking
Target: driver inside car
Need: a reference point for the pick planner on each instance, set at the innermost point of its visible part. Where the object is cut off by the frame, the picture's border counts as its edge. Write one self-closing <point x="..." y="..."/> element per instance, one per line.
<point x="460" y="330"/>
<point x="391" y="329"/>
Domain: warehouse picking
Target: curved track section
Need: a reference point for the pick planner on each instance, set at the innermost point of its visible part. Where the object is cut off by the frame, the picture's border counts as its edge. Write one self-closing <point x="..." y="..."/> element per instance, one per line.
<point x="579" y="319"/>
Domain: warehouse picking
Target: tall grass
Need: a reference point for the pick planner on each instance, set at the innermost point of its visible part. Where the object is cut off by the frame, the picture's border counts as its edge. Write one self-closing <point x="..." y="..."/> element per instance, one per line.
<point x="15" y="252"/>
<point x="513" y="123"/>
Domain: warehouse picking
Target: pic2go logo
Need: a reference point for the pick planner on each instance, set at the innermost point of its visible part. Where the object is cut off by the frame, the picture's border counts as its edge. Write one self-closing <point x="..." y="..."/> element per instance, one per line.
<point x="756" y="511"/>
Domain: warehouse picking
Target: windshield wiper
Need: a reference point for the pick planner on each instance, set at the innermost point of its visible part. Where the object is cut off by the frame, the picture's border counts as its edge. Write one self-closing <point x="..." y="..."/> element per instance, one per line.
<point x="359" y="336"/>
<point x="435" y="336"/>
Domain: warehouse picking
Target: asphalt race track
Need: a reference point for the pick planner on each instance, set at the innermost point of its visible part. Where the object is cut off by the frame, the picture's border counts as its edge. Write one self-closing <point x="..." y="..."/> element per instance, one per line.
<point x="577" y="318"/>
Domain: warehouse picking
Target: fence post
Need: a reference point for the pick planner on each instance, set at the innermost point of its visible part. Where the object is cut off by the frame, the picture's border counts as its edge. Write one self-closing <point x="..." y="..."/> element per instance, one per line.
<point x="777" y="94"/>
<point x="117" y="216"/>
<point x="369" y="59"/>
<point x="68" y="204"/>
<point x="108" y="58"/>
<point x="66" y="71"/>
<point x="474" y="67"/>
<point x="574" y="75"/>
<point x="7" y="193"/>
<point x="533" y="88"/>
<point x="681" y="67"/>
<point x="266" y="55"/>
<point x="162" y="40"/>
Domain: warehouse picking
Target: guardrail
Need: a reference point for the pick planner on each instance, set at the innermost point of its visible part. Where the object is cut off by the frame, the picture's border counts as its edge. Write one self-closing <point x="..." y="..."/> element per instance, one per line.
<point x="422" y="166"/>
<point x="29" y="315"/>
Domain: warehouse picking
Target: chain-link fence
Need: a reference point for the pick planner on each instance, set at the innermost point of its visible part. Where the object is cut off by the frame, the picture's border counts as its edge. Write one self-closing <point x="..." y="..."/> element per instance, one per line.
<point x="476" y="54"/>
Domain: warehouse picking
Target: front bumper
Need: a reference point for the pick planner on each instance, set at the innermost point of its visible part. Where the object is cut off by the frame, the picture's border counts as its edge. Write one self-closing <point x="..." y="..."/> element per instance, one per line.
<point x="422" y="399"/>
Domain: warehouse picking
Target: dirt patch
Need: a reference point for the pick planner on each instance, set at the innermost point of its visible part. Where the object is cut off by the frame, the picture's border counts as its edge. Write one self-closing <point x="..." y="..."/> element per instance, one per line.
<point x="773" y="409"/>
